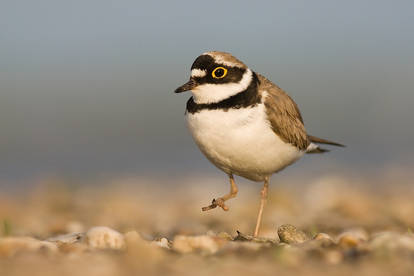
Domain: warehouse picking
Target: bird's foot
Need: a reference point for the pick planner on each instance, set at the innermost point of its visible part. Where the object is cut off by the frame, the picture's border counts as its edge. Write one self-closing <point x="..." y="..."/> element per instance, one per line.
<point x="216" y="202"/>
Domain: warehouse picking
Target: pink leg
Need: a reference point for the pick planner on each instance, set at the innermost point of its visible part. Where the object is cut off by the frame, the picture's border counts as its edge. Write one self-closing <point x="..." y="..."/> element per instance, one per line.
<point x="262" y="204"/>
<point x="220" y="201"/>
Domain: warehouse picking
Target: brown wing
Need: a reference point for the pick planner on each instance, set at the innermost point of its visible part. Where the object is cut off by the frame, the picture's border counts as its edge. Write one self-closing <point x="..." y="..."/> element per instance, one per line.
<point x="283" y="114"/>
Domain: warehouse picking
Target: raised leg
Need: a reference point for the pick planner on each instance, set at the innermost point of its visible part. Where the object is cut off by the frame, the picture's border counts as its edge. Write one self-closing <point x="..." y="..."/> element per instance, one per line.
<point x="220" y="201"/>
<point x="262" y="204"/>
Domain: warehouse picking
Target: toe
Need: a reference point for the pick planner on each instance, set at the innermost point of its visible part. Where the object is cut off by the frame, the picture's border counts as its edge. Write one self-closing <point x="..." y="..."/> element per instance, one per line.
<point x="220" y="202"/>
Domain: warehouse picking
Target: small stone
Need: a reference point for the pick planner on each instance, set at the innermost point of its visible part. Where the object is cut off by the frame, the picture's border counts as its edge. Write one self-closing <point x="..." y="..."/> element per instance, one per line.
<point x="290" y="234"/>
<point x="322" y="236"/>
<point x="352" y="238"/>
<point x="348" y="241"/>
<point x="102" y="237"/>
<point x="204" y="243"/>
<point x="324" y="239"/>
<point x="163" y="243"/>
<point x="318" y="244"/>
<point x="68" y="238"/>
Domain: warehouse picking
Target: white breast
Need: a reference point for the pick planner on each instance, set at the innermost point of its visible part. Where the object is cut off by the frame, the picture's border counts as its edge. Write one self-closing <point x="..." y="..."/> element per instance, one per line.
<point x="240" y="141"/>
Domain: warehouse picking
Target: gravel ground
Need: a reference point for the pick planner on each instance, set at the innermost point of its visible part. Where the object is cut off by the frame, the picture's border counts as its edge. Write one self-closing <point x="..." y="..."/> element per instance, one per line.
<point x="131" y="226"/>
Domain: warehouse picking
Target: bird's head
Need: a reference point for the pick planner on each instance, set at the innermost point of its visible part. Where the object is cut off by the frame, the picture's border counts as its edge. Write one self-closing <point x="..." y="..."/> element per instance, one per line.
<point x="216" y="76"/>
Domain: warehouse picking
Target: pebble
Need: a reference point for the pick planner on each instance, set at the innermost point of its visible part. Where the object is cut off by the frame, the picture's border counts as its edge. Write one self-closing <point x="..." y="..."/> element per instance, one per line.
<point x="102" y="237"/>
<point x="67" y="238"/>
<point x="324" y="239"/>
<point x="163" y="243"/>
<point x="72" y="243"/>
<point x="352" y="238"/>
<point x="291" y="235"/>
<point x="203" y="243"/>
<point x="318" y="245"/>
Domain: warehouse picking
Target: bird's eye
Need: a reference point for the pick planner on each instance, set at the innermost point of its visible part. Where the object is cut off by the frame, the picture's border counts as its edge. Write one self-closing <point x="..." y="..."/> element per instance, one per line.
<point x="219" y="73"/>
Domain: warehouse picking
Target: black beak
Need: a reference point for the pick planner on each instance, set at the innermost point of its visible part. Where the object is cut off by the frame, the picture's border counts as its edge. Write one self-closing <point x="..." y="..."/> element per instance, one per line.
<point x="187" y="86"/>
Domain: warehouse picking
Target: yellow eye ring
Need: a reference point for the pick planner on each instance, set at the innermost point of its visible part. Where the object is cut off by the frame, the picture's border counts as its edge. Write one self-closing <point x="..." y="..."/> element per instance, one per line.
<point x="219" y="72"/>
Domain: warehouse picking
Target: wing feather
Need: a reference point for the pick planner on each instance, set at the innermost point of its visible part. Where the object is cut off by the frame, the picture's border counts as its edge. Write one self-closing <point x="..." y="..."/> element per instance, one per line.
<point x="323" y="141"/>
<point x="283" y="114"/>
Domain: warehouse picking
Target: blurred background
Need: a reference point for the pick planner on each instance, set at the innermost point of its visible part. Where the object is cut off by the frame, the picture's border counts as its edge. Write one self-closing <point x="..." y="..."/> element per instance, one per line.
<point x="86" y="87"/>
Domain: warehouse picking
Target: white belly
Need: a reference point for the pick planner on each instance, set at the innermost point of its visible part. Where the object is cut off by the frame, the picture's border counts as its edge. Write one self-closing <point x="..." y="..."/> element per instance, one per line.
<point x="241" y="142"/>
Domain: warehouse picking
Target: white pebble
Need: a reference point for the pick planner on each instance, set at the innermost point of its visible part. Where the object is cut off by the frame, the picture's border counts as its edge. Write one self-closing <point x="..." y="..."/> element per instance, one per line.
<point x="161" y="243"/>
<point x="101" y="237"/>
<point x="187" y="244"/>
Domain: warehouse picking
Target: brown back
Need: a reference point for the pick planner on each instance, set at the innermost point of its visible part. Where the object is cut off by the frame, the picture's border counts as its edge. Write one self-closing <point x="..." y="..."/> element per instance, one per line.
<point x="283" y="114"/>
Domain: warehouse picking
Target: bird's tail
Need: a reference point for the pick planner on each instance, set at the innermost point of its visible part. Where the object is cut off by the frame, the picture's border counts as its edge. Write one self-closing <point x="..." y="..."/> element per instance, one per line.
<point x="313" y="148"/>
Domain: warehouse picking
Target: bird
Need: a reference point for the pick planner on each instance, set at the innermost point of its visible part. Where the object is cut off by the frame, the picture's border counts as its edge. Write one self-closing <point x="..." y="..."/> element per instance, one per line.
<point x="244" y="124"/>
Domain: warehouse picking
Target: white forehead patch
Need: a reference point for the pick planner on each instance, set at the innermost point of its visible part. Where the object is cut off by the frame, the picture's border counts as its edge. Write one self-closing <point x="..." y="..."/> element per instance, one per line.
<point x="219" y="59"/>
<point x="198" y="73"/>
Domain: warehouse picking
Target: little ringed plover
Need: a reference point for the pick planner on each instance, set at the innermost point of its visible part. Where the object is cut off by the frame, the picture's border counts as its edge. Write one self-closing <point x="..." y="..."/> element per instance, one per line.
<point x="243" y="123"/>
